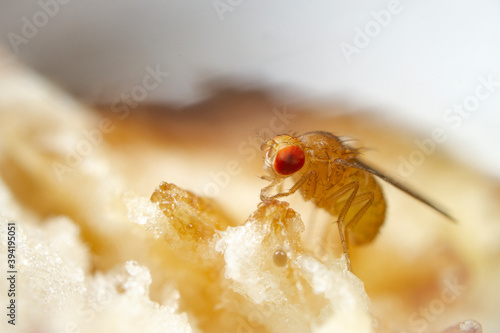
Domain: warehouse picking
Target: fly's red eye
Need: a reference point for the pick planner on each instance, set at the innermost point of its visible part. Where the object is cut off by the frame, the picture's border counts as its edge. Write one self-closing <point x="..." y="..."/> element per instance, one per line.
<point x="289" y="160"/>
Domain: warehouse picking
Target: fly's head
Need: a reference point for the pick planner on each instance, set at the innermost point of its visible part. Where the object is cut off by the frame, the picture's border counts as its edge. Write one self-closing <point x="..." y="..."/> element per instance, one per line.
<point x="284" y="156"/>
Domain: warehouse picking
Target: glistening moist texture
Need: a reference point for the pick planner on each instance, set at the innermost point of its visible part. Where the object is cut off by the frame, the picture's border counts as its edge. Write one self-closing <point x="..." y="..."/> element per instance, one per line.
<point x="103" y="244"/>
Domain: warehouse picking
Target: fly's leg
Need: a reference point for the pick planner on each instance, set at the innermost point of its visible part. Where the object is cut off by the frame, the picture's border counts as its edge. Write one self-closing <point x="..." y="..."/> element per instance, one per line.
<point x="352" y="199"/>
<point x="368" y="199"/>
<point x="264" y="192"/>
<point x="292" y="190"/>
<point x="354" y="186"/>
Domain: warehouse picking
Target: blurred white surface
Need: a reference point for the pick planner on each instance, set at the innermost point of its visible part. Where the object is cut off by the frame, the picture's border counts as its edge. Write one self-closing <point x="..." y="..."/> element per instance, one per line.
<point x="418" y="62"/>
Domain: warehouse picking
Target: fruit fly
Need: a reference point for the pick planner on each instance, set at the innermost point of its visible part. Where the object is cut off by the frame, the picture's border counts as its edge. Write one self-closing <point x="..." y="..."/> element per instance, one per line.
<point x="328" y="173"/>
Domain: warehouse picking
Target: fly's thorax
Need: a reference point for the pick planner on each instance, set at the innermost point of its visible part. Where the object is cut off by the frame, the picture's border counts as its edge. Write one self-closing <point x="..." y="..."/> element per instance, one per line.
<point x="323" y="146"/>
<point x="321" y="177"/>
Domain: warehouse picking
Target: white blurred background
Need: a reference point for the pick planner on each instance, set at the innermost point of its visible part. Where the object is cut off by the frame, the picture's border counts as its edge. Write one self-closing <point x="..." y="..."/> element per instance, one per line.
<point x="415" y="62"/>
